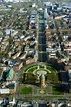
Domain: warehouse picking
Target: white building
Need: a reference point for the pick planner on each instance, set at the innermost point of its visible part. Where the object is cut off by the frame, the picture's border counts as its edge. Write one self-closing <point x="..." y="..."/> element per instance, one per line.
<point x="47" y="4"/>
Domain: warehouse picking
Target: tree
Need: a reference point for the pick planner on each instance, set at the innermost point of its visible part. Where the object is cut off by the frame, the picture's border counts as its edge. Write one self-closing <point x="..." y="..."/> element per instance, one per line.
<point x="4" y="33"/>
<point x="29" y="78"/>
<point x="53" y="46"/>
<point x="52" y="77"/>
<point x="58" y="54"/>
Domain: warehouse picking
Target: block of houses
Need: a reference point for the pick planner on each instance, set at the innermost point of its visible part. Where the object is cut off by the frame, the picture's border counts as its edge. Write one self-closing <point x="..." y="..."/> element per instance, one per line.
<point x="16" y="55"/>
<point x="8" y="88"/>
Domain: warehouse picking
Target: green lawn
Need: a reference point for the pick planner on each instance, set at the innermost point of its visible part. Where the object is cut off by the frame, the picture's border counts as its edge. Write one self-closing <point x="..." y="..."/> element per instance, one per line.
<point x="57" y="92"/>
<point x="50" y="68"/>
<point x="41" y="66"/>
<point x="33" y="67"/>
<point x="28" y="67"/>
<point x="25" y="90"/>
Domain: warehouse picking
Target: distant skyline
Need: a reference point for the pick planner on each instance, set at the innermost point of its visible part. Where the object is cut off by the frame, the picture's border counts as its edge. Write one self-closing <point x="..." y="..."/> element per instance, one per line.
<point x="14" y="0"/>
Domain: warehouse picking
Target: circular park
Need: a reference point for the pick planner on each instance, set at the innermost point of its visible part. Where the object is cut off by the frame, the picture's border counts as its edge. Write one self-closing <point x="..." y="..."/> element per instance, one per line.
<point x="35" y="73"/>
<point x="39" y="69"/>
<point x="40" y="76"/>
